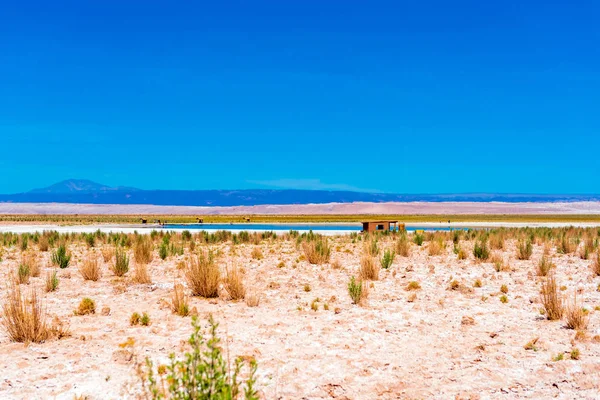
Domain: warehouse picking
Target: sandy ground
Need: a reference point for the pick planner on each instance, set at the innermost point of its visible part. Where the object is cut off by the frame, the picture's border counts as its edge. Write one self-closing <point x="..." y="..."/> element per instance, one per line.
<point x="390" y="348"/>
<point x="589" y="207"/>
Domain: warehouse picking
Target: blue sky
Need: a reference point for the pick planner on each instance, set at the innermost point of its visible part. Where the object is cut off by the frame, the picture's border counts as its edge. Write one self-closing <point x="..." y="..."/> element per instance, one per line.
<point x="402" y="96"/>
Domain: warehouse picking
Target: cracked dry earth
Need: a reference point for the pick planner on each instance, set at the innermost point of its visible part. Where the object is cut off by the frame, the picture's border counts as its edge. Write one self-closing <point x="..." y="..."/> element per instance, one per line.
<point x="441" y="344"/>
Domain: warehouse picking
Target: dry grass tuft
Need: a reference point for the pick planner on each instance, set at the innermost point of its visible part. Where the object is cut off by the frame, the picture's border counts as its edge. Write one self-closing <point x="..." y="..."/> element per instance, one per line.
<point x="31" y="261"/>
<point x="86" y="306"/>
<point x="108" y="253"/>
<point x="203" y="275"/>
<point x="257" y="253"/>
<point x="234" y="284"/>
<point x="576" y="317"/>
<point x="524" y="250"/>
<point x="336" y="264"/>
<point x="179" y="301"/>
<point x="142" y="251"/>
<point x="551" y="299"/>
<point x="24" y="318"/>
<point x="90" y="269"/>
<point x="435" y="248"/>
<point x="403" y="246"/>
<point x="51" y="281"/>
<point x="141" y="274"/>
<point x="369" y="269"/>
<point x="252" y="298"/>
<point x="317" y="251"/>
<point x="596" y="264"/>
<point x="544" y="266"/>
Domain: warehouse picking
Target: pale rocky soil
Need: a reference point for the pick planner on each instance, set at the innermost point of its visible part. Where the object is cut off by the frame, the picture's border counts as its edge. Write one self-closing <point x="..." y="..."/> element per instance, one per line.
<point x="390" y="348"/>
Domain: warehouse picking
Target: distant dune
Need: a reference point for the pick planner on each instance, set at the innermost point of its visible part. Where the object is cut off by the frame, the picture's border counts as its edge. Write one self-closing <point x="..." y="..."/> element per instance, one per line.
<point x="589" y="207"/>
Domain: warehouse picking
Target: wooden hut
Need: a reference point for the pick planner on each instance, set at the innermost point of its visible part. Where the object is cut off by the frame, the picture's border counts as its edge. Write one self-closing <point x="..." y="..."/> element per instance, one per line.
<point x="375" y="226"/>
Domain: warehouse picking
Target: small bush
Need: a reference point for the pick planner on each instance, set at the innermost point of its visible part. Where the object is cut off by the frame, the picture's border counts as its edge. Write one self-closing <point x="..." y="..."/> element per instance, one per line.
<point x="388" y="259"/>
<point x="575" y="354"/>
<point x="369" y="270"/>
<point x="51" y="281"/>
<point x="504" y="289"/>
<point x="23" y="318"/>
<point x="142" y="251"/>
<point x="202" y="373"/>
<point x="524" y="250"/>
<point x="418" y="238"/>
<point x="551" y="299"/>
<point x="481" y="251"/>
<point x="135" y="319"/>
<point x="576" y="317"/>
<point x="403" y="246"/>
<point x="504" y="299"/>
<point x="544" y="266"/>
<point x="30" y="261"/>
<point x="413" y="285"/>
<point x="179" y="302"/>
<point x="256" y="253"/>
<point x="23" y="274"/>
<point x="86" y="306"/>
<point x="596" y="264"/>
<point x="121" y="264"/>
<point x="141" y="274"/>
<point x="61" y="258"/>
<point x="145" y="320"/>
<point x="234" y="284"/>
<point x="317" y="251"/>
<point x="203" y="275"/>
<point x="358" y="291"/>
<point x="90" y="269"/>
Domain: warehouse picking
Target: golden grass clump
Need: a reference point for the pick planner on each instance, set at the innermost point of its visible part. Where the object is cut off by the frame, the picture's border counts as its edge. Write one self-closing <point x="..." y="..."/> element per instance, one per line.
<point x="336" y="264"/>
<point x="317" y="251"/>
<point x="51" y="281"/>
<point x="252" y="298"/>
<point x="369" y="268"/>
<point x="403" y="246"/>
<point x="576" y="317"/>
<point x="23" y="274"/>
<point x="142" y="251"/>
<point x="544" y="266"/>
<point x="108" y="253"/>
<point x="179" y="301"/>
<point x="141" y="274"/>
<point x="90" y="269"/>
<point x="203" y="275"/>
<point x="24" y="319"/>
<point x="234" y="284"/>
<point x="551" y="299"/>
<point x="86" y="306"/>
<point x="435" y="248"/>
<point x="256" y="253"/>
<point x="31" y="261"/>
<point x="596" y="264"/>
<point x="496" y="241"/>
<point x="43" y="244"/>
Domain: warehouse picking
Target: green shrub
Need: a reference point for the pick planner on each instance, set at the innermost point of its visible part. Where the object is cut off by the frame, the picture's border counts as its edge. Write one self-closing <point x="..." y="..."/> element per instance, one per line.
<point x="524" y="249"/>
<point x="388" y="259"/>
<point x="121" y="265"/>
<point x="60" y="257"/>
<point x="418" y="238"/>
<point x="202" y="373"/>
<point x="356" y="290"/>
<point x="481" y="251"/>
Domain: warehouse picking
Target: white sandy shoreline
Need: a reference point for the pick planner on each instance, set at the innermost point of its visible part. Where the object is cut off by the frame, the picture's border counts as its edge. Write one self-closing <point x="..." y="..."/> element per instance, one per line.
<point x="123" y="228"/>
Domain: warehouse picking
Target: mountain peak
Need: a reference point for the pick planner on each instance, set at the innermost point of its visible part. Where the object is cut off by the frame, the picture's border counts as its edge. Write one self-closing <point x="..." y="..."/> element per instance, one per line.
<point x="78" y="186"/>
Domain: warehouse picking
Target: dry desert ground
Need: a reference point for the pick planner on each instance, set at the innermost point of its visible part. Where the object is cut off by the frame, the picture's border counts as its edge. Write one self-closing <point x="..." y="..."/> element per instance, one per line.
<point x="437" y="323"/>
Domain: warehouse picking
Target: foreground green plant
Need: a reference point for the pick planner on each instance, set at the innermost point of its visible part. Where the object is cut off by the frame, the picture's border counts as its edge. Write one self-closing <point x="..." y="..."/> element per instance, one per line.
<point x="60" y="257"/>
<point x="202" y="373"/>
<point x="388" y="259"/>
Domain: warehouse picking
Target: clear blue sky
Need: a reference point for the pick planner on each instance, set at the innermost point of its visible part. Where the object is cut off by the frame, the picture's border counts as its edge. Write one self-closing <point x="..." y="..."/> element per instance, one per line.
<point x="399" y="96"/>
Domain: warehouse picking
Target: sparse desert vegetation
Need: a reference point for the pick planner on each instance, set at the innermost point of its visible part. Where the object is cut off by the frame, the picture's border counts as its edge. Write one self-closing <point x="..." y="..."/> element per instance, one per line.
<point x="296" y="312"/>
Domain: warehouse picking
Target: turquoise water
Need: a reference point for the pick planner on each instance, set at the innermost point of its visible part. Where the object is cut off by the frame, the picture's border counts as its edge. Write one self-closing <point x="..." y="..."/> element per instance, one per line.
<point x="289" y="227"/>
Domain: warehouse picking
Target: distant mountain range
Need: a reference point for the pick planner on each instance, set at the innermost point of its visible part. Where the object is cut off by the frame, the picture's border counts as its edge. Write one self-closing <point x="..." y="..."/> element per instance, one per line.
<point x="78" y="191"/>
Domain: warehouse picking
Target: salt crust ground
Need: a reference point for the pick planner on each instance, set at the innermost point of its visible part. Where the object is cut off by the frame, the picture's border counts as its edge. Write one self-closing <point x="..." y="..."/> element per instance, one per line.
<point x="389" y="349"/>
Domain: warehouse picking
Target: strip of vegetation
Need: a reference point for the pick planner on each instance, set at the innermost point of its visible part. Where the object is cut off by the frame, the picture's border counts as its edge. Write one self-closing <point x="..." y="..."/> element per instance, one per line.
<point x="354" y="218"/>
